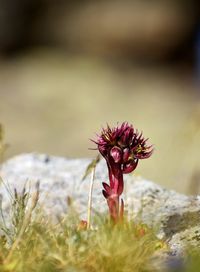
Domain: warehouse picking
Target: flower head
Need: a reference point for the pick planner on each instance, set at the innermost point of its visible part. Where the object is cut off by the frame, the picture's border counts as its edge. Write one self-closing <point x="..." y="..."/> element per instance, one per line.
<point x="122" y="147"/>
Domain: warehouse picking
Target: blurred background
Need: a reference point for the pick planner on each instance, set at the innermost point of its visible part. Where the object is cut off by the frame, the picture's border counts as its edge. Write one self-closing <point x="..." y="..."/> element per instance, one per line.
<point x="69" y="67"/>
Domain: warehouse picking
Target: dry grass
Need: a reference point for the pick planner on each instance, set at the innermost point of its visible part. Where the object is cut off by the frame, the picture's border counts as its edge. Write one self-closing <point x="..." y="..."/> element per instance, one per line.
<point x="33" y="243"/>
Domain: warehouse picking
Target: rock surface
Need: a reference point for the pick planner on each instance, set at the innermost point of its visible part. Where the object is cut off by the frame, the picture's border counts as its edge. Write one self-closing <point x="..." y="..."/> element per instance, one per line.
<point x="175" y="216"/>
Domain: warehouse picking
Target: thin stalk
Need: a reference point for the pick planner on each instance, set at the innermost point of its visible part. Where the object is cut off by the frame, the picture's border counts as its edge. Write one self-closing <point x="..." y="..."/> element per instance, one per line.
<point x="90" y="198"/>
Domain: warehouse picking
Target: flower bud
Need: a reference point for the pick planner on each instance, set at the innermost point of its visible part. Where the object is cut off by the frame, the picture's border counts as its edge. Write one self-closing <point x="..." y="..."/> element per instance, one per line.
<point x="116" y="154"/>
<point x="126" y="154"/>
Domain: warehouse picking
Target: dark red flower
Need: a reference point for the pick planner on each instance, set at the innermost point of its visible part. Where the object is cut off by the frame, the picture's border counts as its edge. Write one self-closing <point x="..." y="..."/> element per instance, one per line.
<point x="122" y="147"/>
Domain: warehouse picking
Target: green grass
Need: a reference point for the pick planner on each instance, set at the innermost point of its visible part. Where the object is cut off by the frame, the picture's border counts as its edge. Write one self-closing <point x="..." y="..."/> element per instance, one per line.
<point x="33" y="243"/>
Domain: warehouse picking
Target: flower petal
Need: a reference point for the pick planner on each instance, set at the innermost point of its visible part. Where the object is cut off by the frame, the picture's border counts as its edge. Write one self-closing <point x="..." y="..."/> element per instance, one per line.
<point x="130" y="166"/>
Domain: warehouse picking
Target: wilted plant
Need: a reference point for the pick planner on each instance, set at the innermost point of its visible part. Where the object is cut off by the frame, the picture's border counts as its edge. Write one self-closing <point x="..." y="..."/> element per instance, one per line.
<point x="122" y="147"/>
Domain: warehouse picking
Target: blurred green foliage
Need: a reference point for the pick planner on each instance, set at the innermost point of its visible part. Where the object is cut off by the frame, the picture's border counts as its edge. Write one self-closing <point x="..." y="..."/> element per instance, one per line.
<point x="3" y="146"/>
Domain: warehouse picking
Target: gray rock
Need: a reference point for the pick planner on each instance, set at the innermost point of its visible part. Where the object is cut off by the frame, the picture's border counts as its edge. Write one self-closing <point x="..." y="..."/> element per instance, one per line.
<point x="175" y="216"/>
